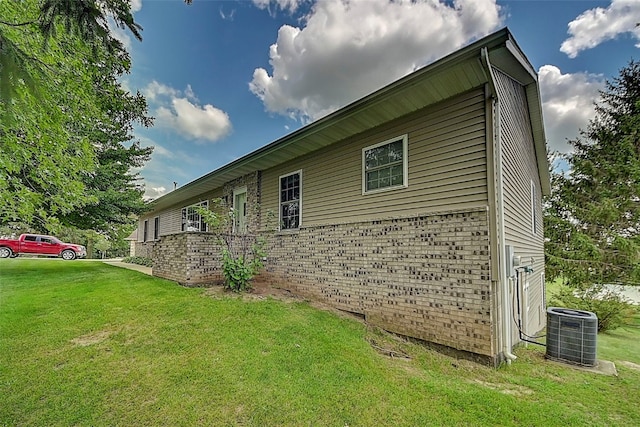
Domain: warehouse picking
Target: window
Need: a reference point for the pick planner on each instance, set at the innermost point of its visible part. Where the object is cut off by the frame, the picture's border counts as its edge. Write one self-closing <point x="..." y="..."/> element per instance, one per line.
<point x="30" y="238"/>
<point x="385" y="165"/>
<point x="191" y="220"/>
<point x="534" y="210"/>
<point x="240" y="210"/>
<point x="156" y="228"/>
<point x="145" y="233"/>
<point x="291" y="201"/>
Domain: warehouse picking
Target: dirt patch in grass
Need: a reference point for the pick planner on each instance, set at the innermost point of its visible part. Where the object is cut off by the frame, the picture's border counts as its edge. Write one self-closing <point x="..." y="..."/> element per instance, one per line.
<point x="630" y="365"/>
<point x="510" y="389"/>
<point x="261" y="290"/>
<point x="92" y="338"/>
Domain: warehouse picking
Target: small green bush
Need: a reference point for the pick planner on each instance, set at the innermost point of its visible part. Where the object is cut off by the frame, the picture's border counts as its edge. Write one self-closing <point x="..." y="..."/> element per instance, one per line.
<point x="612" y="309"/>
<point x="242" y="253"/>
<point x="138" y="260"/>
<point x="238" y="271"/>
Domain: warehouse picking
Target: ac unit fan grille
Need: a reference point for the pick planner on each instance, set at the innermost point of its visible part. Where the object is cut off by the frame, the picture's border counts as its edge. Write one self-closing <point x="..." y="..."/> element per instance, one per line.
<point x="572" y="336"/>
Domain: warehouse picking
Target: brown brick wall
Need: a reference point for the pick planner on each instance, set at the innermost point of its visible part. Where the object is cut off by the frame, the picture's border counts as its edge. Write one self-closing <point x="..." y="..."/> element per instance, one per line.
<point x="191" y="259"/>
<point x="427" y="277"/>
<point x="144" y="249"/>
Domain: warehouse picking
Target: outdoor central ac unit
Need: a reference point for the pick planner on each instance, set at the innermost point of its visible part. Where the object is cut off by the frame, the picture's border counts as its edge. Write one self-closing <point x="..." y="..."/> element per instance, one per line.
<point x="572" y="336"/>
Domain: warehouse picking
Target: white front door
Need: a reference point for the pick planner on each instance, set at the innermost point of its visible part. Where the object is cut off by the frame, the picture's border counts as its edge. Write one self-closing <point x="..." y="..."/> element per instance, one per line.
<point x="240" y="210"/>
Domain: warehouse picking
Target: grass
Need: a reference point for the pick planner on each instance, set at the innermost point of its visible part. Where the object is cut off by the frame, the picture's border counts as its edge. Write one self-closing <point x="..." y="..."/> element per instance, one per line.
<point x="84" y="343"/>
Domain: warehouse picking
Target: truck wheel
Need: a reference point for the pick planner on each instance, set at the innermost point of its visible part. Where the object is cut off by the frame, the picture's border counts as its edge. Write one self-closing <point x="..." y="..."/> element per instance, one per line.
<point x="5" y="252"/>
<point x="68" y="255"/>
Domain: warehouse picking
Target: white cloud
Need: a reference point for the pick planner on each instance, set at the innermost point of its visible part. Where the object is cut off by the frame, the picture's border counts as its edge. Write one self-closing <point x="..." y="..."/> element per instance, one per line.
<point x="154" y="90"/>
<point x="227" y="16"/>
<point x="136" y="5"/>
<point x="152" y="193"/>
<point x="121" y="35"/>
<point x="191" y="120"/>
<point x="598" y="25"/>
<point x="190" y="94"/>
<point x="347" y="49"/>
<point x="180" y="111"/>
<point x="287" y="5"/>
<point x="568" y="103"/>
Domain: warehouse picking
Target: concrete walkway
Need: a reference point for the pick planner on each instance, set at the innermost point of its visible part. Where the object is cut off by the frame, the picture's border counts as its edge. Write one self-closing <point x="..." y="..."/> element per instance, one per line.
<point x="117" y="262"/>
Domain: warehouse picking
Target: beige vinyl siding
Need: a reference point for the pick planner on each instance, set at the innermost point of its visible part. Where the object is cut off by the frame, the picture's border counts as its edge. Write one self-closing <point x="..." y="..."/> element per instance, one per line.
<point x="519" y="171"/>
<point x="447" y="168"/>
<point x="171" y="218"/>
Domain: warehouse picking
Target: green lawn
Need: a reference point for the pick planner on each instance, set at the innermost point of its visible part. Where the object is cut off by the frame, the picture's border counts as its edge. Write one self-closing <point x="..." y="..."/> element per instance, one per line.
<point x="83" y="343"/>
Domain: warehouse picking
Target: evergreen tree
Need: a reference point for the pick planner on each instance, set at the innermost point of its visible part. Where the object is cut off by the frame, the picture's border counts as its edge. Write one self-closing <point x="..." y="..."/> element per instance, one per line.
<point x="592" y="219"/>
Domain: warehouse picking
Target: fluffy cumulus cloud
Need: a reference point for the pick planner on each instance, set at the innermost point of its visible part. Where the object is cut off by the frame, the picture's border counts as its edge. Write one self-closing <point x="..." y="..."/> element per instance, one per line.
<point x="598" y="25"/>
<point x="156" y="90"/>
<point x="180" y="111"/>
<point x="347" y="49"/>
<point x="152" y="193"/>
<point x="567" y="103"/>
<point x="287" y="5"/>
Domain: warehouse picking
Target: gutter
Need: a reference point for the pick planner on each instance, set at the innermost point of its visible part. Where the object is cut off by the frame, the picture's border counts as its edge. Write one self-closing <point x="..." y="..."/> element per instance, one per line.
<point x="494" y="144"/>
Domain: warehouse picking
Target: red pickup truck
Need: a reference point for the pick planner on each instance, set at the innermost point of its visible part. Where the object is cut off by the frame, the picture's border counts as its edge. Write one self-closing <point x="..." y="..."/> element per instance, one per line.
<point x="36" y="244"/>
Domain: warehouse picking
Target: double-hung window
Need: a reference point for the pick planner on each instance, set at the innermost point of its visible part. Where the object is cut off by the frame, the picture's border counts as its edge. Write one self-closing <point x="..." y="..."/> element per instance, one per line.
<point x="384" y="165"/>
<point x="156" y="228"/>
<point x="191" y="219"/>
<point x="145" y="231"/>
<point x="291" y="201"/>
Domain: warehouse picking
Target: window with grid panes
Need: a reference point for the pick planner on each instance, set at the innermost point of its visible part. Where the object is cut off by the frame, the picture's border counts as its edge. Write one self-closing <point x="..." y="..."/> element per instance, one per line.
<point x="290" y="201"/>
<point x="385" y="165"/>
<point x="191" y="219"/>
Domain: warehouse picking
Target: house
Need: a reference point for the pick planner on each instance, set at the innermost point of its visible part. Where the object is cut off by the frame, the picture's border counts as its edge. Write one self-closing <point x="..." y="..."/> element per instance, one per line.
<point x="417" y="206"/>
<point x="132" y="239"/>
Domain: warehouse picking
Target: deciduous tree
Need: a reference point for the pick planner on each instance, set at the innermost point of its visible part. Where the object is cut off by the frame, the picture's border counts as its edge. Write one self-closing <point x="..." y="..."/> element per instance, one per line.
<point x="67" y="148"/>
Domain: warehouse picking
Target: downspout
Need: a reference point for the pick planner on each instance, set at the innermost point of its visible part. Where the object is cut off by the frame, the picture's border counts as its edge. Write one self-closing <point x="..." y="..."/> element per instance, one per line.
<point x="495" y="145"/>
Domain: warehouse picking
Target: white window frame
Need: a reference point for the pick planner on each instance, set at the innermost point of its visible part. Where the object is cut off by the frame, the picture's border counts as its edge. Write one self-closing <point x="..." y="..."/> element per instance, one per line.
<point x="204" y="204"/>
<point x="236" y="211"/>
<point x="156" y="228"/>
<point x="298" y="172"/>
<point x="145" y="230"/>
<point x="405" y="165"/>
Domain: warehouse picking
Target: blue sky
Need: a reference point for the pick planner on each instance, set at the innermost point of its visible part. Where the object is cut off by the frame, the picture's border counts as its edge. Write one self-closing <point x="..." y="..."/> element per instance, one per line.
<point x="223" y="78"/>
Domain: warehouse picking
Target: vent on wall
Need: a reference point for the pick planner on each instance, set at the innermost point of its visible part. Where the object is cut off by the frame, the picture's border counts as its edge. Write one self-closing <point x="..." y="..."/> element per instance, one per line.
<point x="572" y="336"/>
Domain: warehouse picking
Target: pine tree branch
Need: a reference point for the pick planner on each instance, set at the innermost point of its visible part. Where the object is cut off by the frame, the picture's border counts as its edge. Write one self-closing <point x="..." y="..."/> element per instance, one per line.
<point x="20" y="24"/>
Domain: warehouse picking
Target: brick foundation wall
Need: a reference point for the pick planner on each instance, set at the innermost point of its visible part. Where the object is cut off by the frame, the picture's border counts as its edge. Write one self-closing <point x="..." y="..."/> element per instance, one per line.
<point x="426" y="277"/>
<point x="144" y="249"/>
<point x="191" y="259"/>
